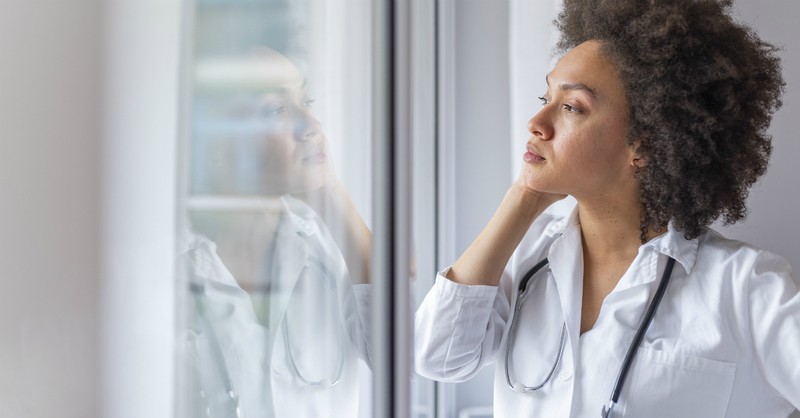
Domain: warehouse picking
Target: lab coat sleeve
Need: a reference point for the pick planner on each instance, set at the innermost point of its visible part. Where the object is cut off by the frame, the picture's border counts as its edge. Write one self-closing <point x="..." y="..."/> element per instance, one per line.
<point x="774" y="311"/>
<point x="458" y="329"/>
<point x="362" y="335"/>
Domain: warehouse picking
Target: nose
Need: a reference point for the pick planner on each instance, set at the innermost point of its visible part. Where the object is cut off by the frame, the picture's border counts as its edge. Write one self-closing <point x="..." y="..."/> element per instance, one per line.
<point x="540" y="125"/>
<point x="306" y="127"/>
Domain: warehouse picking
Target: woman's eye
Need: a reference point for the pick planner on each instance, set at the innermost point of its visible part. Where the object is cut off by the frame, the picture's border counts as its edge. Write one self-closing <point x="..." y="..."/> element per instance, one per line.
<point x="273" y="111"/>
<point x="308" y="102"/>
<point x="570" y="108"/>
<point x="544" y="100"/>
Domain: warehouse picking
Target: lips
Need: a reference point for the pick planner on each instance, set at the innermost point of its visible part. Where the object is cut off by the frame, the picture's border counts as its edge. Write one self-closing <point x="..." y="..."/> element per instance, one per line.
<point x="315" y="157"/>
<point x="532" y="156"/>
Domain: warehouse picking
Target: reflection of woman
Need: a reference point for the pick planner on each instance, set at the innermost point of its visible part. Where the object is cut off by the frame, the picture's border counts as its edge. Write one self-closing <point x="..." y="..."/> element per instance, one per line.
<point x="275" y="317"/>
<point x="654" y="120"/>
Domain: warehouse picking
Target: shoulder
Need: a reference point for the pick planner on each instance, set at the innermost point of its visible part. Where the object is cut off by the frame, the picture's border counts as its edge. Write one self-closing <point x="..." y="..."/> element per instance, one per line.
<point x="747" y="265"/>
<point x="197" y="260"/>
<point x="192" y="245"/>
<point x="717" y="249"/>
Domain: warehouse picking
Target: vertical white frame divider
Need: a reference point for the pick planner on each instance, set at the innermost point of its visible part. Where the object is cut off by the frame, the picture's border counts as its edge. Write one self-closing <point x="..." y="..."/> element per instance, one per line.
<point x="445" y="164"/>
<point x="140" y="76"/>
<point x="424" y="190"/>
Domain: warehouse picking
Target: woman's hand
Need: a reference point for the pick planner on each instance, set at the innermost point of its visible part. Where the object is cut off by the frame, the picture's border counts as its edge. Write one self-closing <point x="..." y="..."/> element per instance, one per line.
<point x="482" y="263"/>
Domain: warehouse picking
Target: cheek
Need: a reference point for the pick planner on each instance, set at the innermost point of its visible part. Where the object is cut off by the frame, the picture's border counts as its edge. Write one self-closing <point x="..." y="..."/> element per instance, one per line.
<point x="596" y="150"/>
<point x="584" y="159"/>
<point x="278" y="153"/>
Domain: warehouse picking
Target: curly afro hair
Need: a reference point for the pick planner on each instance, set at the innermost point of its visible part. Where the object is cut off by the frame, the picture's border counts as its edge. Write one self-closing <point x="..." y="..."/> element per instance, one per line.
<point x="702" y="90"/>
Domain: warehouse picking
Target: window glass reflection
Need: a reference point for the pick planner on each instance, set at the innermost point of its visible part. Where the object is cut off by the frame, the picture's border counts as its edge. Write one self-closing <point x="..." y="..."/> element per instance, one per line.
<point x="274" y="258"/>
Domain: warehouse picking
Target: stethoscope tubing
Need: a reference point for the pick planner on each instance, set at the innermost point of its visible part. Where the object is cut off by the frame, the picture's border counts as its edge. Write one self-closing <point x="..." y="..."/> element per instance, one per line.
<point x="287" y="341"/>
<point x="522" y="294"/>
<point x="198" y="290"/>
<point x="637" y="339"/>
<point x="632" y="348"/>
<point x="288" y="346"/>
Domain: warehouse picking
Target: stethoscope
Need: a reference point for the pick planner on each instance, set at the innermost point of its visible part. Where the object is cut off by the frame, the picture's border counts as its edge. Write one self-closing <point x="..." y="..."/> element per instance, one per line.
<point x="227" y="404"/>
<point x="288" y="346"/>
<point x="629" y="356"/>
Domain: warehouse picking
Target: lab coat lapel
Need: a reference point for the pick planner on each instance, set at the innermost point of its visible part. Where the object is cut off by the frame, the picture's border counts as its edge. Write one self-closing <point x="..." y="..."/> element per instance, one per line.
<point x="291" y="257"/>
<point x="566" y="266"/>
<point x="628" y="302"/>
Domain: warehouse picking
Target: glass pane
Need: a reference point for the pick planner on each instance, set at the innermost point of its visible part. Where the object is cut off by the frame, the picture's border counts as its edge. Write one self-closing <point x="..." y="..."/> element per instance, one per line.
<point x="275" y="245"/>
<point x="423" y="130"/>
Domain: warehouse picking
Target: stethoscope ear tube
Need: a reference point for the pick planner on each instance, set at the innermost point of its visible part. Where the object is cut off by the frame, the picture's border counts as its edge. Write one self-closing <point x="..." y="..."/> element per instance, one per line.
<point x="523" y="292"/>
<point x="637" y="339"/>
<point x="523" y="284"/>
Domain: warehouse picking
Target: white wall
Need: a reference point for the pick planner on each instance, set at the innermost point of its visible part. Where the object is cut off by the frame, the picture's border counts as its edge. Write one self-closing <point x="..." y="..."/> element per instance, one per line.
<point x="481" y="147"/>
<point x="87" y="113"/>
<point x="482" y="113"/>
<point x="775" y="201"/>
<point x="142" y="49"/>
<point x="49" y="157"/>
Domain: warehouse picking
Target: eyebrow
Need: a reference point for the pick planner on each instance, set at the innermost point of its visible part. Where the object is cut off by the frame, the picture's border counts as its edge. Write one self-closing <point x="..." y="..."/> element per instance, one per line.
<point x="573" y="86"/>
<point x="283" y="90"/>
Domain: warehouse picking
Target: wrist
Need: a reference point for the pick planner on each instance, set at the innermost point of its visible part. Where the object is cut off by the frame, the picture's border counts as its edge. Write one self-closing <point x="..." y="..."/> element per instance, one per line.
<point x="528" y="201"/>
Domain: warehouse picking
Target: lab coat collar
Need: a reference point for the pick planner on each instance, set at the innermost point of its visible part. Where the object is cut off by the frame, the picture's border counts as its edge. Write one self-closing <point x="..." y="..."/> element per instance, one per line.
<point x="292" y="254"/>
<point x="302" y="219"/>
<point x="204" y="262"/>
<point x="673" y="244"/>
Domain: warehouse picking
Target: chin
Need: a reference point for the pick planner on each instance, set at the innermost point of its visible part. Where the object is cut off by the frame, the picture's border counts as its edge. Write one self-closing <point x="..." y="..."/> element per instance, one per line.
<point x="307" y="186"/>
<point x="548" y="187"/>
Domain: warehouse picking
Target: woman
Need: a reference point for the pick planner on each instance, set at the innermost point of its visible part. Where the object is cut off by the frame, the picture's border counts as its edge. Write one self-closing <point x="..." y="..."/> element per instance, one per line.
<point x="278" y="297"/>
<point x="655" y="122"/>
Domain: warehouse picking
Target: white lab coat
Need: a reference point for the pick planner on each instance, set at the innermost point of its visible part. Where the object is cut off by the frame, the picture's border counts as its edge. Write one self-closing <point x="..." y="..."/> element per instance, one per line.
<point x="725" y="341"/>
<point x="325" y="313"/>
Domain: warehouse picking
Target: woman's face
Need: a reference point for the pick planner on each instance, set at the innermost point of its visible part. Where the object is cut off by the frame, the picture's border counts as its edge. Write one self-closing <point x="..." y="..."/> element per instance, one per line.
<point x="294" y="153"/>
<point x="274" y="144"/>
<point x="578" y="138"/>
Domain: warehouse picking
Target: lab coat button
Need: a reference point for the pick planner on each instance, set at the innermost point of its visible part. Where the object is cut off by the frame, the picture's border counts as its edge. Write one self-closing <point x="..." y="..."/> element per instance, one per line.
<point x="555" y="228"/>
<point x="306" y="228"/>
<point x="565" y="375"/>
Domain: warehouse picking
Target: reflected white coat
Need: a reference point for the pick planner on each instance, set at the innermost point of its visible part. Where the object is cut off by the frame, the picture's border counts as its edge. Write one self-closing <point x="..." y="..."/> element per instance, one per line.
<point x="322" y="307"/>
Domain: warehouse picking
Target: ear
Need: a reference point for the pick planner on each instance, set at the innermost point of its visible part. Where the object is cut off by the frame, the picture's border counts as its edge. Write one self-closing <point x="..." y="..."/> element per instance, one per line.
<point x="637" y="161"/>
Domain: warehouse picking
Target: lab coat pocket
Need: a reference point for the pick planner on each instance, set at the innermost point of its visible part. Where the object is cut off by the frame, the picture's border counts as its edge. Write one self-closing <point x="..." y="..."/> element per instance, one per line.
<point x="666" y="384"/>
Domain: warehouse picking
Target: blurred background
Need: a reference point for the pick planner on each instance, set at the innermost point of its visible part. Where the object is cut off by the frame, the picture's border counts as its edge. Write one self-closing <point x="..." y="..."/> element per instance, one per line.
<point x="112" y="127"/>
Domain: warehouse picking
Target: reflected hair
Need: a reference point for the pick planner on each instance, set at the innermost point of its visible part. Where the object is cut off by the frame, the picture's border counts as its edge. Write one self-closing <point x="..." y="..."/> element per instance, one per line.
<point x="701" y="88"/>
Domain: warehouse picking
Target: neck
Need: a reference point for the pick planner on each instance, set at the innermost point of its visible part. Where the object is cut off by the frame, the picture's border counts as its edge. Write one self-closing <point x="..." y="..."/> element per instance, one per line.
<point x="612" y="230"/>
<point x="243" y="242"/>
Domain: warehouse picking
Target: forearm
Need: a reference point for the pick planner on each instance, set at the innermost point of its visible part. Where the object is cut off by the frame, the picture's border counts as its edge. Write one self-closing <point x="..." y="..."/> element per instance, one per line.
<point x="482" y="263"/>
<point x="354" y="239"/>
